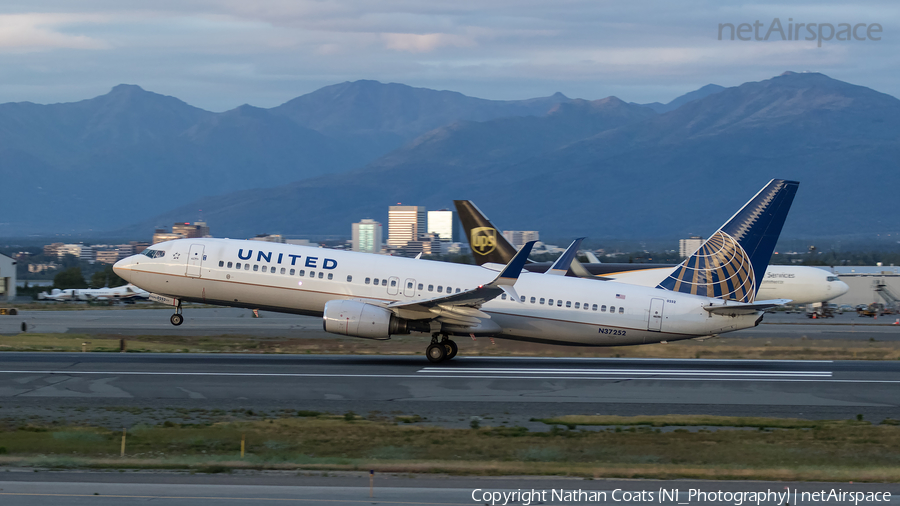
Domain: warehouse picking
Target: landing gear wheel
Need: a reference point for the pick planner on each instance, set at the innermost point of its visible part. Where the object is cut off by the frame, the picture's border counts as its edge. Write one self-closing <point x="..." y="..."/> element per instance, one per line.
<point x="451" y="348"/>
<point x="176" y="319"/>
<point x="436" y="352"/>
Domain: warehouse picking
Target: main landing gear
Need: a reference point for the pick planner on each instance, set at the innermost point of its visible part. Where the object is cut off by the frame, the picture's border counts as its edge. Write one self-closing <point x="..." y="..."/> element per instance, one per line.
<point x="440" y="350"/>
<point x="177" y="319"/>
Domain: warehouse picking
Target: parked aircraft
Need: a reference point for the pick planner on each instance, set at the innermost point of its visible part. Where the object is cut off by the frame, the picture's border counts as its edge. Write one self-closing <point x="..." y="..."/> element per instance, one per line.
<point x="800" y="284"/>
<point x="124" y="293"/>
<point x="373" y="296"/>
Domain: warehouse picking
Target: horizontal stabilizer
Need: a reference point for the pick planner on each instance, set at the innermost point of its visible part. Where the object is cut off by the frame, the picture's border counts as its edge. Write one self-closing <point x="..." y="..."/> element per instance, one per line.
<point x="737" y="308"/>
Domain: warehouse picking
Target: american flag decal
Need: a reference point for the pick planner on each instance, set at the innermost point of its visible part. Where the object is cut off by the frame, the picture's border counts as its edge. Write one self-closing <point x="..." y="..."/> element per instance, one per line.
<point x="620" y="296"/>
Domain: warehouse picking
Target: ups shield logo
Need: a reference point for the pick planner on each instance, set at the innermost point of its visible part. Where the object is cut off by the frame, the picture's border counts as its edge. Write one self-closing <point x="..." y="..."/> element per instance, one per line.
<point x="484" y="240"/>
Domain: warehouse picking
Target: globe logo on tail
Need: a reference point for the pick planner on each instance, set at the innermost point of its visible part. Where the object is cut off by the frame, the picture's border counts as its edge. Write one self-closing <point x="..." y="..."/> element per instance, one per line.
<point x="720" y="268"/>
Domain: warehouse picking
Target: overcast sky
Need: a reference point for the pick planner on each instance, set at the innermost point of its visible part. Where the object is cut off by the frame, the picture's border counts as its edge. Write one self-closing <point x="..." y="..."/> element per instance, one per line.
<point x="218" y="54"/>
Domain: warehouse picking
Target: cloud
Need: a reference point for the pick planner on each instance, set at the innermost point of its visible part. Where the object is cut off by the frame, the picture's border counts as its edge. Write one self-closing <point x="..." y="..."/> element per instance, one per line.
<point x="42" y="32"/>
<point x="415" y="43"/>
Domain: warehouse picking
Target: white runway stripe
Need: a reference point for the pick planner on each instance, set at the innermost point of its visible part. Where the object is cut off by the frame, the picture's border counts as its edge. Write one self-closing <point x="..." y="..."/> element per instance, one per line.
<point x="647" y="372"/>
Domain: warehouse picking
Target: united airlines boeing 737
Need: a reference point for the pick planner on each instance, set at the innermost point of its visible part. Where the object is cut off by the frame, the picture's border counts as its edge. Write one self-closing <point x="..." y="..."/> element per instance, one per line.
<point x="374" y="297"/>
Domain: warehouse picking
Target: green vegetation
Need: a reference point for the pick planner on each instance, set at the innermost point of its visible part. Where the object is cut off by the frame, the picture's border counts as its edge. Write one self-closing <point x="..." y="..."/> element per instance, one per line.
<point x="781" y="449"/>
<point x="70" y="278"/>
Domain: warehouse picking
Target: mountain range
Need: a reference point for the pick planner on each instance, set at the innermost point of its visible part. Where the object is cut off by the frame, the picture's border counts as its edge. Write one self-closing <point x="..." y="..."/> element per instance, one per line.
<point x="603" y="168"/>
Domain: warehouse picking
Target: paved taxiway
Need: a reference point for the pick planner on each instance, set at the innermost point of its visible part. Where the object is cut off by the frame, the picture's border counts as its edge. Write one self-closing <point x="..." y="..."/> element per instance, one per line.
<point x="221" y="321"/>
<point x="521" y="388"/>
<point x="31" y="489"/>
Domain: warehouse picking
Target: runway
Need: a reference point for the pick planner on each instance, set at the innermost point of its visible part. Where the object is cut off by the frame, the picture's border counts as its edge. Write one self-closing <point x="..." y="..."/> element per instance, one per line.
<point x="251" y="489"/>
<point x="208" y="321"/>
<point x="512" y="389"/>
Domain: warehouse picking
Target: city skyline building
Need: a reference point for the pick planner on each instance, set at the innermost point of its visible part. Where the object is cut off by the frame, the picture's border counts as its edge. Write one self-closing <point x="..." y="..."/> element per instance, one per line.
<point x="405" y="223"/>
<point x="445" y="224"/>
<point x="367" y="236"/>
<point x="518" y="238"/>
<point x="687" y="247"/>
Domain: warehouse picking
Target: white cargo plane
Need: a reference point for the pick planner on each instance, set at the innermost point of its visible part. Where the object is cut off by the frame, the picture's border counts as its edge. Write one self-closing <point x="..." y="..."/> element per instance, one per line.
<point x="122" y="293"/>
<point x="800" y="284"/>
<point x="373" y="296"/>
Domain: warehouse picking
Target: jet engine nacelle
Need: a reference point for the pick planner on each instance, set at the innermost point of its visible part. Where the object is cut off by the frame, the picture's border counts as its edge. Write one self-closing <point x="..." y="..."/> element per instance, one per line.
<point x="359" y="319"/>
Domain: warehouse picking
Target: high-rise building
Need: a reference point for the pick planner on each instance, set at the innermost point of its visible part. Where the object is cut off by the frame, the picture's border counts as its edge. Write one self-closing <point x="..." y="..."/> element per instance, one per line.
<point x="445" y="224"/>
<point x="405" y="223"/>
<point x="269" y="238"/>
<point x="687" y="247"/>
<point x="518" y="238"/>
<point x="187" y="230"/>
<point x="367" y="236"/>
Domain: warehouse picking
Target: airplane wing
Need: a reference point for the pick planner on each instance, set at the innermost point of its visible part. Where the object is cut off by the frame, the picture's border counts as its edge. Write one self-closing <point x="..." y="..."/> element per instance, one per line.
<point x="730" y="308"/>
<point x="462" y="308"/>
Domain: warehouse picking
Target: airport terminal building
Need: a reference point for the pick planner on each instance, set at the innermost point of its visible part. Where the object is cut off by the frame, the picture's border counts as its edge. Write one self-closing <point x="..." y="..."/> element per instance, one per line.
<point x="7" y="279"/>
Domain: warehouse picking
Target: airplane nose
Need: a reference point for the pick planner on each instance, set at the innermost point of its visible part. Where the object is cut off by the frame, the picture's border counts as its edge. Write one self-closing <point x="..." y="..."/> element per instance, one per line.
<point x="122" y="268"/>
<point x="841" y="288"/>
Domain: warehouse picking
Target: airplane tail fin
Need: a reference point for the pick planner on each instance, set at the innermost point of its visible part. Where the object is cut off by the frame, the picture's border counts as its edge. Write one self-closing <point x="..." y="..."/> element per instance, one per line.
<point x="730" y="265"/>
<point x="487" y="243"/>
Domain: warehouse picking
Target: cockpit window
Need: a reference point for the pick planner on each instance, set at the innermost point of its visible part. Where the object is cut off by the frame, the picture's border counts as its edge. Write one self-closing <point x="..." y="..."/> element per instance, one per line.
<point x="832" y="278"/>
<point x="154" y="253"/>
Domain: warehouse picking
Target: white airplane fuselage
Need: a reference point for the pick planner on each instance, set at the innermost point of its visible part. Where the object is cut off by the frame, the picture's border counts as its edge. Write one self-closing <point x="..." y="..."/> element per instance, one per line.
<point x="797" y="283"/>
<point x="301" y="280"/>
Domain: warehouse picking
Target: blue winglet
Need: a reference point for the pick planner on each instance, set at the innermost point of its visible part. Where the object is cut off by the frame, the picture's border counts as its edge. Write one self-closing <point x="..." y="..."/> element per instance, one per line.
<point x="561" y="266"/>
<point x="511" y="272"/>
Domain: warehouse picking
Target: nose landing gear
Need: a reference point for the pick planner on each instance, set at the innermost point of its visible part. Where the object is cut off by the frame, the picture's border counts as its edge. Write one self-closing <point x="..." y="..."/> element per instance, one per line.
<point x="440" y="350"/>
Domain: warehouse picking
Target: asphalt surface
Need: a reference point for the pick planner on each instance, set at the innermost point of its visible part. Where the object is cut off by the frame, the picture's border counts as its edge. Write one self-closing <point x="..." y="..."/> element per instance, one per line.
<point x="206" y="321"/>
<point x="512" y="390"/>
<point x="27" y="488"/>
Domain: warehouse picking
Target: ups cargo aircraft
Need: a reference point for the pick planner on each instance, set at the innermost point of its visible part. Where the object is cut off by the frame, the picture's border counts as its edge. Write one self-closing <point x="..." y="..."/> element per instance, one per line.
<point x="374" y="296"/>
<point x="125" y="293"/>
<point x="799" y="284"/>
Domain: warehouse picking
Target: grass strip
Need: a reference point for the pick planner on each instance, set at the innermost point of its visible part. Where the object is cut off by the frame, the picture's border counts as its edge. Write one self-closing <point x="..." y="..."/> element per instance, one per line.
<point x="782" y="449"/>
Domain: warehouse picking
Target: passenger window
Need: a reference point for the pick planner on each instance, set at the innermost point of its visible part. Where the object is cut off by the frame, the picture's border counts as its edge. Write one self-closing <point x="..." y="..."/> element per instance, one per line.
<point x="542" y="301"/>
<point x="282" y="270"/>
<point x="549" y="302"/>
<point x="312" y="274"/>
<point x="301" y="272"/>
<point x="229" y="265"/>
<point x="457" y="290"/>
<point x="502" y="296"/>
<point x="559" y="303"/>
<point x="247" y="267"/>
<point x="256" y="268"/>
<point x="393" y="282"/>
<point x="612" y="309"/>
<point x="320" y="275"/>
<point x="330" y="275"/>
<point x="440" y="289"/>
<point x="291" y="272"/>
<point x="221" y="263"/>
<point x="602" y="309"/>
<point x="409" y="285"/>
<point x="568" y="303"/>
<point x="621" y="310"/>
<point x="577" y="305"/>
<point x="595" y="307"/>
<point x="449" y="290"/>
<point x="533" y="300"/>
<point x="349" y="278"/>
<point x="420" y="286"/>
<point x="367" y="281"/>
<point x="237" y="265"/>
<point x="375" y="281"/>
<point x="430" y="288"/>
<point x="521" y="298"/>
<point x="264" y="268"/>
<point x="586" y="306"/>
